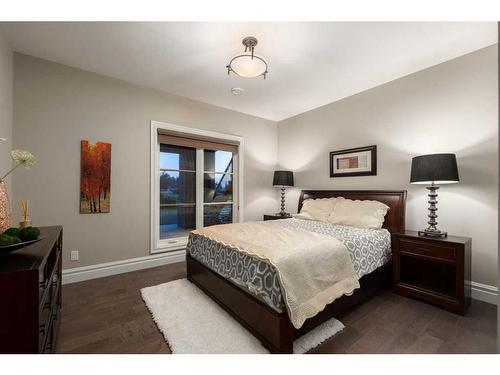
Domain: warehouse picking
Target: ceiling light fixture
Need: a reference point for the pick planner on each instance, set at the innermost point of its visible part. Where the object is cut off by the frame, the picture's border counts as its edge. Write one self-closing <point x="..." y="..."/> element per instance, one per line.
<point x="248" y="64"/>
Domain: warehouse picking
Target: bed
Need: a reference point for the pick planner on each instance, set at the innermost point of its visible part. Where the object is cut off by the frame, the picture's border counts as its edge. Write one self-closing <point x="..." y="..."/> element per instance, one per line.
<point x="262" y="310"/>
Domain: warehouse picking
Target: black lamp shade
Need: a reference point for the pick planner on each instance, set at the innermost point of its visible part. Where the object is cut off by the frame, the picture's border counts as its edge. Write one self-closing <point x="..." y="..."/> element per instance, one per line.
<point x="283" y="178"/>
<point x="437" y="168"/>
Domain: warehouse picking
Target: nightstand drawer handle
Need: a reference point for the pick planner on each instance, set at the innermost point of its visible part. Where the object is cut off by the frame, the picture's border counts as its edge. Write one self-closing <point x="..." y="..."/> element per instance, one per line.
<point x="423" y="249"/>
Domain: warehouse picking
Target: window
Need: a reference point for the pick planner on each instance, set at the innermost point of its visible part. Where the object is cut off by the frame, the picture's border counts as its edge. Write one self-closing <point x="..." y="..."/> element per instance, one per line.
<point x="194" y="183"/>
<point x="177" y="191"/>
<point x="217" y="187"/>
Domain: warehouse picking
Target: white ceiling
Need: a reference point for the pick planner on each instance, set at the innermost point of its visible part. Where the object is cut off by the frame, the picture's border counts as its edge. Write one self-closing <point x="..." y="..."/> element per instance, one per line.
<point x="310" y="64"/>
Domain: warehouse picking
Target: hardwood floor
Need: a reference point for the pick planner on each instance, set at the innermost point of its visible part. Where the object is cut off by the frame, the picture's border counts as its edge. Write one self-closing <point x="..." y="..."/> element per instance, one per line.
<point x="108" y="316"/>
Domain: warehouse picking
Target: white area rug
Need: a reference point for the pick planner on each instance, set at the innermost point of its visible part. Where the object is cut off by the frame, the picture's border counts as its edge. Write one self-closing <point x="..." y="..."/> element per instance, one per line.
<point x="194" y="324"/>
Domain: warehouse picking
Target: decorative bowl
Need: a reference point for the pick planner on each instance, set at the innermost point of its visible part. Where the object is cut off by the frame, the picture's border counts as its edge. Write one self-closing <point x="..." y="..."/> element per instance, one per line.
<point x="10" y="248"/>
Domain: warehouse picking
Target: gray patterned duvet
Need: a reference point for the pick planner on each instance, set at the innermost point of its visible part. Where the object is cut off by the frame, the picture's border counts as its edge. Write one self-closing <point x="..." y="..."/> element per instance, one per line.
<point x="369" y="249"/>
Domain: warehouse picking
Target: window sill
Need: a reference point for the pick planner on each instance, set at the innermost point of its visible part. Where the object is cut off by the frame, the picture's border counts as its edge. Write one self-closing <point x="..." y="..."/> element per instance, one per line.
<point x="164" y="246"/>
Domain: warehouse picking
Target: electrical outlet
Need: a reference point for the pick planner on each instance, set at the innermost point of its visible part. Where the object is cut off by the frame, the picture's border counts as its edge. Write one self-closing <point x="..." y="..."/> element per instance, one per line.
<point x="75" y="255"/>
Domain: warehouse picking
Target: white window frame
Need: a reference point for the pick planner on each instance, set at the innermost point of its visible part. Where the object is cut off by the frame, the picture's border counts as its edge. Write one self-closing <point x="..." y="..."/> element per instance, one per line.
<point x="156" y="244"/>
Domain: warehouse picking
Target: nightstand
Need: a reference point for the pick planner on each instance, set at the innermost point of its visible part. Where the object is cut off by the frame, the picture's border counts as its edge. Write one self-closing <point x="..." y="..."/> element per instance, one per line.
<point x="435" y="270"/>
<point x="276" y="217"/>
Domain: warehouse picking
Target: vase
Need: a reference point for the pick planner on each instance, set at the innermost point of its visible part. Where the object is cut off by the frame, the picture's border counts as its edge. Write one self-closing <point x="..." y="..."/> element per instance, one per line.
<point x="5" y="209"/>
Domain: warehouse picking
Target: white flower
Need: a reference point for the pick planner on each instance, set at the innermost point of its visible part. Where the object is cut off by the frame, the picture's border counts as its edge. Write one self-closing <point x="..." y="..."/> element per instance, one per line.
<point x="20" y="157"/>
<point x="24" y="158"/>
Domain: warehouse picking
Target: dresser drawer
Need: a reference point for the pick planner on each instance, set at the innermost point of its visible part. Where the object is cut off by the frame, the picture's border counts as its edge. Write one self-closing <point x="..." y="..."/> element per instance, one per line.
<point x="50" y="342"/>
<point x="55" y="286"/>
<point x="49" y="274"/>
<point x="44" y="327"/>
<point x="427" y="250"/>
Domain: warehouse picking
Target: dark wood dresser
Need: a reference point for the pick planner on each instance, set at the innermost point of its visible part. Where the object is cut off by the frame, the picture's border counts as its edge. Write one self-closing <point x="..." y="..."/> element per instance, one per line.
<point x="30" y="295"/>
<point x="435" y="270"/>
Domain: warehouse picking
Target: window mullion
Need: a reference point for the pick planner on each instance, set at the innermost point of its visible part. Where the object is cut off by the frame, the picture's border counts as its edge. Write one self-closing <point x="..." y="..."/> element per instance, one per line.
<point x="199" y="187"/>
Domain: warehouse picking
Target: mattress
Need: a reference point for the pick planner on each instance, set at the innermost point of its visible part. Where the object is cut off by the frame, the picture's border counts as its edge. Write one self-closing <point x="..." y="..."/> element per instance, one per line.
<point x="369" y="249"/>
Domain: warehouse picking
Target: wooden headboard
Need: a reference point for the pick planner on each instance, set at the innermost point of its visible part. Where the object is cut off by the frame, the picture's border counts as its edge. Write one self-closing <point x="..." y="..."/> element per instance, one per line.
<point x="396" y="200"/>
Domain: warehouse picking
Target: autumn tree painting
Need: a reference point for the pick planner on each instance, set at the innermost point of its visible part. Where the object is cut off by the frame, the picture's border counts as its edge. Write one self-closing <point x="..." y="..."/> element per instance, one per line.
<point x="95" y="177"/>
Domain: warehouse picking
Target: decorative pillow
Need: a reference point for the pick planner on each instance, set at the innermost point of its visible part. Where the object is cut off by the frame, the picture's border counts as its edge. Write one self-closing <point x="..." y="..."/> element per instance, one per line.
<point x="303" y="216"/>
<point x="316" y="209"/>
<point x="360" y="214"/>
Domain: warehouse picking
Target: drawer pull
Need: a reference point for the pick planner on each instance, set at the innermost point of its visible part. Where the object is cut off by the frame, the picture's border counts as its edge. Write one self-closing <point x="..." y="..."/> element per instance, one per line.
<point x="42" y="329"/>
<point x="424" y="249"/>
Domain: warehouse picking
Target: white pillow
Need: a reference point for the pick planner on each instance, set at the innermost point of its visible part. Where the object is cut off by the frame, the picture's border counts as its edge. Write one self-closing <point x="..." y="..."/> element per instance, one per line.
<point x="360" y="214"/>
<point x="302" y="216"/>
<point x="316" y="209"/>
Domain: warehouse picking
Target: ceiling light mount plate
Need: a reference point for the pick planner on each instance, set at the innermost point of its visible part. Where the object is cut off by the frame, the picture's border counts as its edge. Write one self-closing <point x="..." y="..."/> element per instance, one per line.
<point x="237" y="91"/>
<point x="250" y="42"/>
<point x="248" y="64"/>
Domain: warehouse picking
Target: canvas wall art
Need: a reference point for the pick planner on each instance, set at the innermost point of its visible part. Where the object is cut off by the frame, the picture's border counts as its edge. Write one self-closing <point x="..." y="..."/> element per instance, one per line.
<point x="95" y="177"/>
<point x="361" y="161"/>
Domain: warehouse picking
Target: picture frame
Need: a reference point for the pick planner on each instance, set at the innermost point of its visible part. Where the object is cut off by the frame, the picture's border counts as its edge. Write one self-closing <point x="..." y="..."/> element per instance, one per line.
<point x="95" y="177"/>
<point x="360" y="161"/>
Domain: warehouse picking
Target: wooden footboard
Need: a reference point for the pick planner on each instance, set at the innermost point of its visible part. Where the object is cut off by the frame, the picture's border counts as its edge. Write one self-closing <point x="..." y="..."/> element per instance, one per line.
<point x="272" y="328"/>
<point x="275" y="329"/>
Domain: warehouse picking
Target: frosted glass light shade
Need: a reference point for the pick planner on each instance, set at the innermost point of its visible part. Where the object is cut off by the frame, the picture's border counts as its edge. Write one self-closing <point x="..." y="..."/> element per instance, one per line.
<point x="247" y="66"/>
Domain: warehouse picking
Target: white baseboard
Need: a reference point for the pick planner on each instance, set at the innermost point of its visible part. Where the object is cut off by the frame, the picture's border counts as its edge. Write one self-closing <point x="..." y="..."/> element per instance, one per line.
<point x="74" y="275"/>
<point x="484" y="292"/>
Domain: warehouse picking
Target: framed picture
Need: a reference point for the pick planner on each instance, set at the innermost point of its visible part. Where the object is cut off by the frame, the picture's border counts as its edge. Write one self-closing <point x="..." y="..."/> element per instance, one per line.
<point x="95" y="177"/>
<point x="361" y="161"/>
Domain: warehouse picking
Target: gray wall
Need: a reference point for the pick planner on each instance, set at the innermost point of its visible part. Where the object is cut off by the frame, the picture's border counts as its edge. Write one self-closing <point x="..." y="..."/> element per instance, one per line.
<point x="56" y="106"/>
<point x="451" y="107"/>
<point x="6" y="94"/>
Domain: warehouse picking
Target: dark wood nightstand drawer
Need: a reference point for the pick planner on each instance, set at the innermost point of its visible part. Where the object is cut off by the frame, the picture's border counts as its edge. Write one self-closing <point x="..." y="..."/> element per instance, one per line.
<point x="427" y="250"/>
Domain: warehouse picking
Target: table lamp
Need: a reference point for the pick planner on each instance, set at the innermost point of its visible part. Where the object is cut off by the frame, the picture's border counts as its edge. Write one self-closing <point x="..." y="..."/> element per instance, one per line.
<point x="433" y="170"/>
<point x="282" y="179"/>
